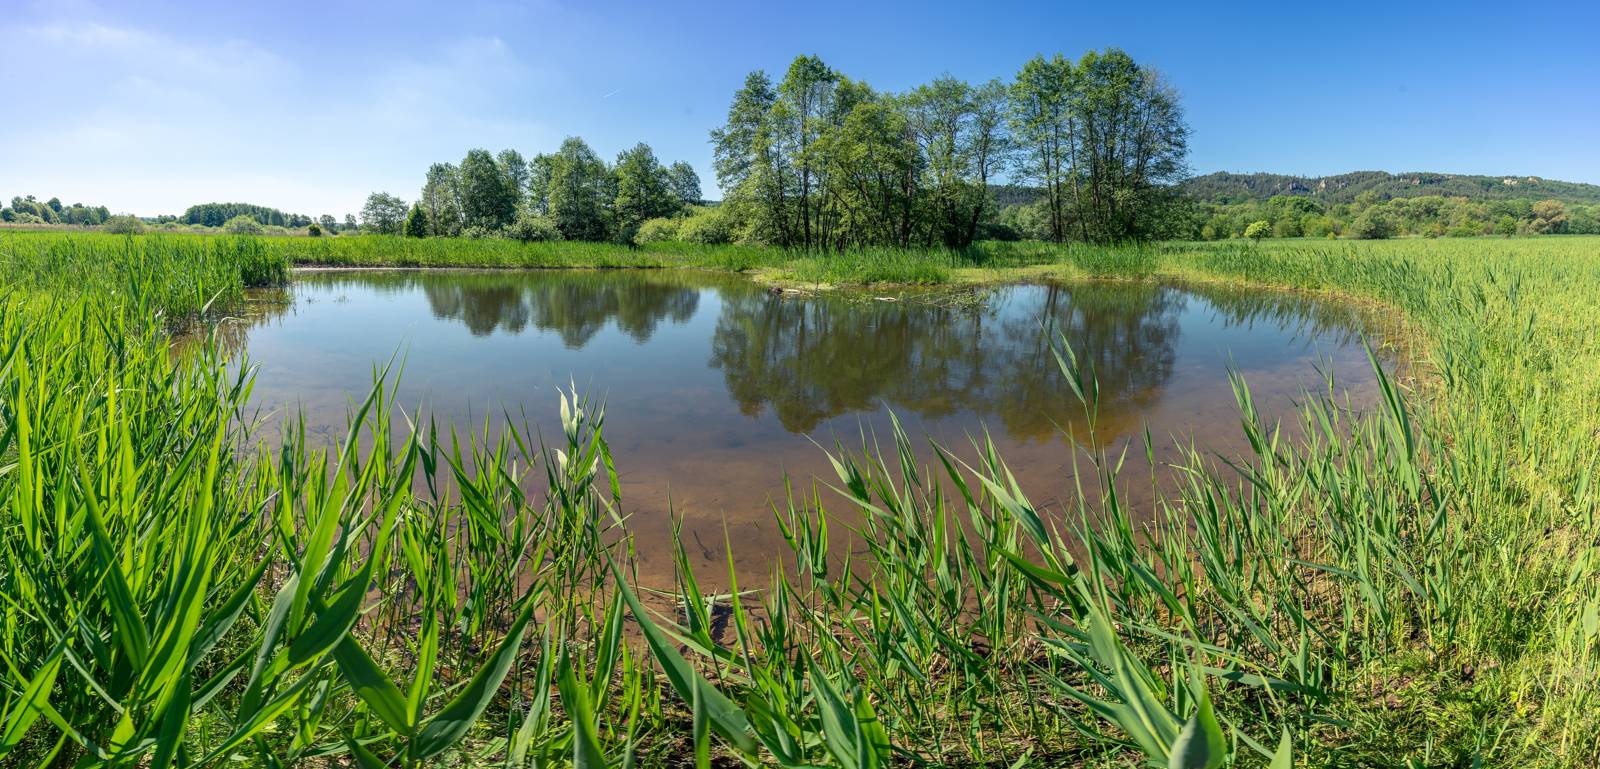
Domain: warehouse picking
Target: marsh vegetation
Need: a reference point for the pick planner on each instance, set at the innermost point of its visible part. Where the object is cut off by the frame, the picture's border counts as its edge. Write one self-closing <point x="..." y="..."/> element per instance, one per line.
<point x="1412" y="579"/>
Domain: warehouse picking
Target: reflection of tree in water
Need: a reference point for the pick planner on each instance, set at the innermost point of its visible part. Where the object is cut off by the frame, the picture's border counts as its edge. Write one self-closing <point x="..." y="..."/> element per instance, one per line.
<point x="812" y="360"/>
<point x="574" y="304"/>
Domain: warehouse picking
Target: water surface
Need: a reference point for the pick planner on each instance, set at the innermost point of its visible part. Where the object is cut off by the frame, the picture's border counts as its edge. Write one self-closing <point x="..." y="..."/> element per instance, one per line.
<point x="714" y="387"/>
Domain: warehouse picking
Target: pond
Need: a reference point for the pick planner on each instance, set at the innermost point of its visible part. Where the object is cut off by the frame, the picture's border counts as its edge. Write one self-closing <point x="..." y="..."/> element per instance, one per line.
<point x="714" y="387"/>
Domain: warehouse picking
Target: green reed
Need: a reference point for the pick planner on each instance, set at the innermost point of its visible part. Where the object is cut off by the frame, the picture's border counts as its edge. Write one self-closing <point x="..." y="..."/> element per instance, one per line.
<point x="1409" y="582"/>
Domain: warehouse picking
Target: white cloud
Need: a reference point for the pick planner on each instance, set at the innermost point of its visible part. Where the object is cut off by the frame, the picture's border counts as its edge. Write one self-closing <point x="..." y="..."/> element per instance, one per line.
<point x="161" y="122"/>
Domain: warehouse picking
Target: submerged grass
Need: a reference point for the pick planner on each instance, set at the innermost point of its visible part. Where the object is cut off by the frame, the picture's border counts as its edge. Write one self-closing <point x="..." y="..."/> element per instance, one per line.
<point x="1415" y="584"/>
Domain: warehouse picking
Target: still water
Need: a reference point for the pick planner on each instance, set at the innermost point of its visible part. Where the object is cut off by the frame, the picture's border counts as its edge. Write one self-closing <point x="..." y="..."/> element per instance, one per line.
<point x="714" y="387"/>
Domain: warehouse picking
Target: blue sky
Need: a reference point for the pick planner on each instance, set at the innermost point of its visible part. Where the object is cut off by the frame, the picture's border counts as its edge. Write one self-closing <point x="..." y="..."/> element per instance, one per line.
<point x="149" y="107"/>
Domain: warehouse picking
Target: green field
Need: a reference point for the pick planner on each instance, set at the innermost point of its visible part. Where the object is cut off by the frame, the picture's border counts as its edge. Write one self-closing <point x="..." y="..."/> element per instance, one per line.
<point x="1417" y="584"/>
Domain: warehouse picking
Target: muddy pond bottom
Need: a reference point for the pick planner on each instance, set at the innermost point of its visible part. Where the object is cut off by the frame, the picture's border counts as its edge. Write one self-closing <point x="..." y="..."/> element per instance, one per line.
<point x="714" y="388"/>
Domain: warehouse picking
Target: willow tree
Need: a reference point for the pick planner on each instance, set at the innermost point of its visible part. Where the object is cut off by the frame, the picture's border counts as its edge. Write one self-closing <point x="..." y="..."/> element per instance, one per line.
<point x="1133" y="144"/>
<point x="644" y="190"/>
<point x="581" y="192"/>
<point x="1045" y="128"/>
<point x="751" y="168"/>
<point x="488" y="193"/>
<point x="441" y="200"/>
<point x="960" y="131"/>
<point x="1104" y="139"/>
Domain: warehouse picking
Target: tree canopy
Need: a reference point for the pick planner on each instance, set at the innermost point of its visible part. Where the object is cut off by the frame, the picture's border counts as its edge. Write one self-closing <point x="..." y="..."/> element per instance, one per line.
<point x="822" y="161"/>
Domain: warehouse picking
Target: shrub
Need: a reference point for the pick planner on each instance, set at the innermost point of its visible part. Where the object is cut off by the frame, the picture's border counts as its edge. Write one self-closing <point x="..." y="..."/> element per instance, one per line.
<point x="313" y="230"/>
<point x="1258" y="230"/>
<point x="480" y="232"/>
<point x="243" y="224"/>
<point x="530" y="227"/>
<point x="1372" y="224"/>
<point x="657" y="230"/>
<point x="124" y="225"/>
<point x="1316" y="226"/>
<point x="707" y="226"/>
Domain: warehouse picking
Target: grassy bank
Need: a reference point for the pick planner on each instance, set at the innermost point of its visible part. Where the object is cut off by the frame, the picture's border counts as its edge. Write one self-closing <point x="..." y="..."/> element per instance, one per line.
<point x="1415" y="585"/>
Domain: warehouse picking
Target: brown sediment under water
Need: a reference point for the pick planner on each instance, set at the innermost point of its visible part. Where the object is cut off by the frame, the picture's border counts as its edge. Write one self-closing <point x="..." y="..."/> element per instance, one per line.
<point x="714" y="388"/>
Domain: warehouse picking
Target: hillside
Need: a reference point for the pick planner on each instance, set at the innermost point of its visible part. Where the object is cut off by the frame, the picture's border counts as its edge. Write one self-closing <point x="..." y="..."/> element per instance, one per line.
<point x="1224" y="187"/>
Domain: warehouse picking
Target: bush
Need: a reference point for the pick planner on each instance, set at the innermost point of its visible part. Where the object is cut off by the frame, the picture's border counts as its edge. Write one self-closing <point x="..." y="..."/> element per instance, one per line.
<point x="124" y="225"/>
<point x="1371" y="225"/>
<point x="313" y="230"/>
<point x="530" y="227"/>
<point x="1258" y="230"/>
<point x="707" y="226"/>
<point x="1317" y="226"/>
<point x="657" y="230"/>
<point x="480" y="232"/>
<point x="243" y="224"/>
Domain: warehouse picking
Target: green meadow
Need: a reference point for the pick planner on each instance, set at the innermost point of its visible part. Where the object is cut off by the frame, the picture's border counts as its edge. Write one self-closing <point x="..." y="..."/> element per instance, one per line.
<point x="1412" y="583"/>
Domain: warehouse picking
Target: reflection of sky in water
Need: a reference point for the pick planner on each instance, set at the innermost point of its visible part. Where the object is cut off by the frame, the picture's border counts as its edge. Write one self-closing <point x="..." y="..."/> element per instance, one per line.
<point x="712" y="385"/>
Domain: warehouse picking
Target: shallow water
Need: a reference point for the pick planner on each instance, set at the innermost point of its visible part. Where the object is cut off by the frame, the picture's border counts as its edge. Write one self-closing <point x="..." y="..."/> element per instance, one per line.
<point x="714" y="387"/>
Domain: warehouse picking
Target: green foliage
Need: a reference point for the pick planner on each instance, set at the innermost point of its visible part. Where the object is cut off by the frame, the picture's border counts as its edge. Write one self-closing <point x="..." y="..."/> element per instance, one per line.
<point x="383" y="213"/>
<point x="416" y="223"/>
<point x="1425" y="216"/>
<point x="1371" y="224"/>
<point x="441" y="200"/>
<point x="644" y="190"/>
<point x="581" y="192"/>
<point x="219" y="214"/>
<point x="685" y="183"/>
<point x="1549" y="217"/>
<point x="29" y="210"/>
<point x="657" y="230"/>
<point x="533" y="228"/>
<point x="243" y="224"/>
<point x="488" y="190"/>
<point x="1258" y="230"/>
<point x="707" y="227"/>
<point x="1228" y="188"/>
<point x="124" y="225"/>
<point x="821" y="161"/>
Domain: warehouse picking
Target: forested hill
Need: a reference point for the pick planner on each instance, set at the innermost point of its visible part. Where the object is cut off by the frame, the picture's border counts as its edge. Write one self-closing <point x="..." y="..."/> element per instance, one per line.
<point x="1224" y="187"/>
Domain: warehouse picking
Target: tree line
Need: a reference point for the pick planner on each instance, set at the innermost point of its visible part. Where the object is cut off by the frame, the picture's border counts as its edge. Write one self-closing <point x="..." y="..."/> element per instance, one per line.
<point x="818" y="160"/>
<point x="30" y="210"/>
<point x="1224" y="187"/>
<point x="1369" y="216"/>
<point x="570" y="194"/>
<point x="218" y="214"/>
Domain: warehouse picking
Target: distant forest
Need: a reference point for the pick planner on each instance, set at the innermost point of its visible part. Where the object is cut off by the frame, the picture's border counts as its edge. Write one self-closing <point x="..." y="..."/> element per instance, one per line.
<point x="1375" y="204"/>
<point x="1223" y="187"/>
